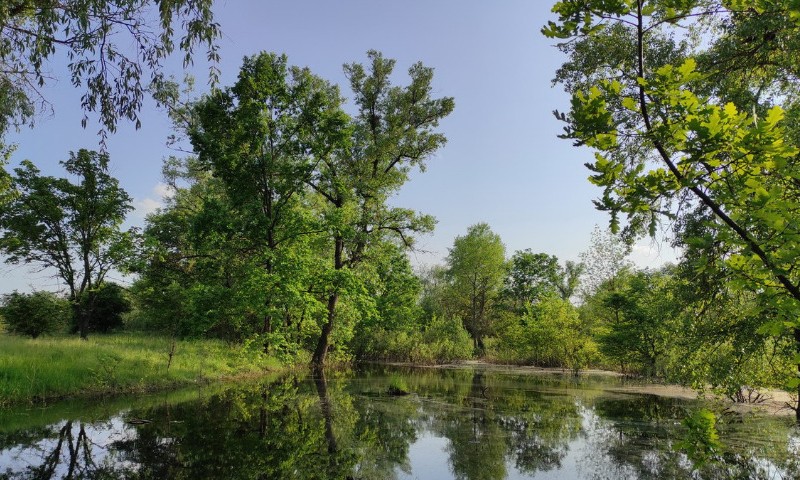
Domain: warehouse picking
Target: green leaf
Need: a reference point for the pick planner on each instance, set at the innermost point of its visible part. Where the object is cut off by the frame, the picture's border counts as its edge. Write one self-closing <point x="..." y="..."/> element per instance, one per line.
<point x="774" y="329"/>
<point x="687" y="68"/>
<point x="774" y="115"/>
<point x="630" y="103"/>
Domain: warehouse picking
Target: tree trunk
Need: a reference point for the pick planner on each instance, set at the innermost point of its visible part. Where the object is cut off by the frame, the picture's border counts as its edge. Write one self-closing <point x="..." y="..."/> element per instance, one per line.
<point x="267" y="328"/>
<point x="321" y="351"/>
<point x="81" y="319"/>
<point x="324" y="339"/>
<point x="480" y="347"/>
<point x="797" y="350"/>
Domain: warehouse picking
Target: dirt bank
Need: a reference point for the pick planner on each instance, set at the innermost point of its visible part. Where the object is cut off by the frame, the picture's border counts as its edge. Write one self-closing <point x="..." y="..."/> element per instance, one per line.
<point x="774" y="402"/>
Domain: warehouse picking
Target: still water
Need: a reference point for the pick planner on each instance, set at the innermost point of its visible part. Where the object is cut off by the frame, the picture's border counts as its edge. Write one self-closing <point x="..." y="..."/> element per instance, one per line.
<point x="455" y="423"/>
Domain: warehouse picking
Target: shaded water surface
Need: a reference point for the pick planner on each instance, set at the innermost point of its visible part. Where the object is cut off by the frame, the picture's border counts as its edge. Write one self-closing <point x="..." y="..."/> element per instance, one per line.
<point x="464" y="424"/>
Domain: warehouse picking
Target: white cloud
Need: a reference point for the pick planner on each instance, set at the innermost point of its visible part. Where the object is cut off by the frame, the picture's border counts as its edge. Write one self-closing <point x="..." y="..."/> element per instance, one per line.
<point x="163" y="190"/>
<point x="153" y="202"/>
<point x="653" y="254"/>
<point x="146" y="206"/>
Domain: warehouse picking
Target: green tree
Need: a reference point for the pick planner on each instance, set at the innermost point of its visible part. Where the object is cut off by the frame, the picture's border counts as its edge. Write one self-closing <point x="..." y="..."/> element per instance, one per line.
<point x="261" y="137"/>
<point x="34" y="314"/>
<point x="73" y="228"/>
<point x="297" y="214"/>
<point x="647" y="323"/>
<point x="569" y="278"/>
<point x="393" y="131"/>
<point x="551" y="333"/>
<point x="531" y="277"/>
<point x="108" y="303"/>
<point x="534" y="276"/>
<point x="199" y="274"/>
<point x="476" y="269"/>
<point x="700" y="121"/>
<point x="115" y="50"/>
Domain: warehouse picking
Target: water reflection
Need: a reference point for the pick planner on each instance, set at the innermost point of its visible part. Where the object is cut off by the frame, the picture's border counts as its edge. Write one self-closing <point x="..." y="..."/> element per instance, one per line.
<point x="461" y="424"/>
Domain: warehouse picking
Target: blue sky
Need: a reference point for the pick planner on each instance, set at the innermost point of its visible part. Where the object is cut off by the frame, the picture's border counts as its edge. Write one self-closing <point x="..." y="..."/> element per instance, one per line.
<point x="503" y="163"/>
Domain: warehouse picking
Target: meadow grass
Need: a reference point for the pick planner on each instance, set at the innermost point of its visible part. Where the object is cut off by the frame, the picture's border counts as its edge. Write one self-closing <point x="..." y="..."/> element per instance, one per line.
<point x="56" y="367"/>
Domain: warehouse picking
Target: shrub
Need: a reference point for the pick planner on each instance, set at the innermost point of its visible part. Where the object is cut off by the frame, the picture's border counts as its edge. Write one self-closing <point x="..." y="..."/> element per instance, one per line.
<point x="444" y="340"/>
<point x="448" y="340"/>
<point x="34" y="314"/>
<point x="550" y="334"/>
<point x="105" y="306"/>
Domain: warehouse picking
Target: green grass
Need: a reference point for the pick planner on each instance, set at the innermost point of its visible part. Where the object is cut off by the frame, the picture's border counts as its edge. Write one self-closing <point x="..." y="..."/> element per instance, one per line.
<point x="57" y="367"/>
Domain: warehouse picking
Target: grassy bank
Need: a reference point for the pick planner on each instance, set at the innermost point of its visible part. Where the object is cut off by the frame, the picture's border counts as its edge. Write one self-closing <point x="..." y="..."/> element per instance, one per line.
<point x="57" y="367"/>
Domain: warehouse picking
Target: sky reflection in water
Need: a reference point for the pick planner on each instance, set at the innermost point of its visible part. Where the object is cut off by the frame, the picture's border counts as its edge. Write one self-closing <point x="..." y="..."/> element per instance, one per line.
<point x="464" y="424"/>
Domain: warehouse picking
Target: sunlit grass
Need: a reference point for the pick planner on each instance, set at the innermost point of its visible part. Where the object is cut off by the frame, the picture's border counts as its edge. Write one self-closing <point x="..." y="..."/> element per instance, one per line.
<point x="54" y="367"/>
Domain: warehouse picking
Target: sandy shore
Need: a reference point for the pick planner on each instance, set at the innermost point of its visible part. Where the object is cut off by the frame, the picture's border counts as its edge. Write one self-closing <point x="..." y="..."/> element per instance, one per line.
<point x="775" y="402"/>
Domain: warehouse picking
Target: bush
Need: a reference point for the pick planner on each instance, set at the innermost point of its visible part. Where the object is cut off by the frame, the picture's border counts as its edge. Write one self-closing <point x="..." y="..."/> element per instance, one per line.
<point x="448" y="340"/>
<point x="105" y="306"/>
<point x="34" y="314"/>
<point x="550" y="334"/>
<point x="444" y="340"/>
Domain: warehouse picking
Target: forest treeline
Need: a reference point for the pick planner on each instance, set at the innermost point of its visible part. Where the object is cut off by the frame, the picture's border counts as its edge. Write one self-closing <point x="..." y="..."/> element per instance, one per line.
<point x="205" y="270"/>
<point x="279" y="233"/>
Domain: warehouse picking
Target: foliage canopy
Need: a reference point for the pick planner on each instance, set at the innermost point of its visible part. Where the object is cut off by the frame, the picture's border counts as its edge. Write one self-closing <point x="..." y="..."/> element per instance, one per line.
<point x="71" y="227"/>
<point x="691" y="107"/>
<point x="115" y="50"/>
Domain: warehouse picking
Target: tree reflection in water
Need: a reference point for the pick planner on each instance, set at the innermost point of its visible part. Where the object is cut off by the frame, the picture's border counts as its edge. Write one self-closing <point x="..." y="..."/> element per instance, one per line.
<point x="346" y="425"/>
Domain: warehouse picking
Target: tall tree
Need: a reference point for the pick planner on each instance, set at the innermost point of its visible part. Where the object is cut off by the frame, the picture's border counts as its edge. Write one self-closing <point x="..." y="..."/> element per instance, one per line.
<point x="531" y="276"/>
<point x="648" y="320"/>
<point x="392" y="132"/>
<point x="606" y="257"/>
<point x="262" y="137"/>
<point x="476" y="269"/>
<point x="569" y="278"/>
<point x="680" y="125"/>
<point x="73" y="228"/>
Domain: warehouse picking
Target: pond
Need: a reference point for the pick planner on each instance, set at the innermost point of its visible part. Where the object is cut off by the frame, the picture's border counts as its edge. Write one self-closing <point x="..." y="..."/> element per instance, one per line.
<point x="470" y="423"/>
